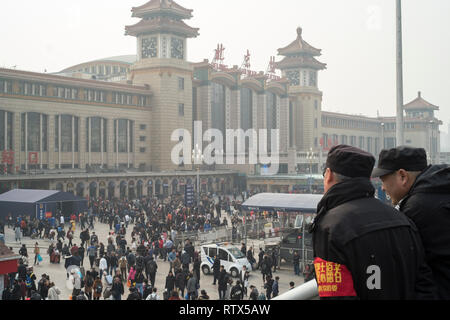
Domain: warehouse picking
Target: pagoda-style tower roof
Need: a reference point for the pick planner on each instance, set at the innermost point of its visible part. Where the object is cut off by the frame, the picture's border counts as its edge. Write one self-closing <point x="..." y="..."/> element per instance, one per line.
<point x="299" y="54"/>
<point x="420" y="104"/>
<point x="293" y="62"/>
<point x="298" y="47"/>
<point x="162" y="24"/>
<point x="161" y="16"/>
<point x="161" y="7"/>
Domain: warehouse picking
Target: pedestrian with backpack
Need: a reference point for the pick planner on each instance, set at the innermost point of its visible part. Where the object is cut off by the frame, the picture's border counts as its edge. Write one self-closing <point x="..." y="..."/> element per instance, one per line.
<point x="237" y="293"/>
<point x="123" y="268"/>
<point x="98" y="288"/>
<point x="139" y="279"/>
<point x="88" y="285"/>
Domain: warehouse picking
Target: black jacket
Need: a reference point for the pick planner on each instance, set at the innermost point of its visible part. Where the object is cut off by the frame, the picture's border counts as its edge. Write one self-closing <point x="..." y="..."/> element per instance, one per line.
<point x="365" y="249"/>
<point x="216" y="266"/>
<point x="135" y="295"/>
<point x="170" y="283"/>
<point x="237" y="293"/>
<point x="428" y="205"/>
<point x="223" y="280"/>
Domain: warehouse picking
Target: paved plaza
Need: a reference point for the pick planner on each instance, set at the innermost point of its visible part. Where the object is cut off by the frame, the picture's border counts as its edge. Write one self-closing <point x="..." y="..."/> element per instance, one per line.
<point x="57" y="272"/>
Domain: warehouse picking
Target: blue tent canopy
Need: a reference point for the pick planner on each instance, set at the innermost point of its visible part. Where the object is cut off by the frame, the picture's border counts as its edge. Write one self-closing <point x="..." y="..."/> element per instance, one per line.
<point x="285" y="202"/>
<point x="38" y="202"/>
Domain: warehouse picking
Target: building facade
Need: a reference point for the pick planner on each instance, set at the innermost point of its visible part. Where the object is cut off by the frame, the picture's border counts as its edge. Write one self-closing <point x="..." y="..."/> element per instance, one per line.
<point x="118" y="114"/>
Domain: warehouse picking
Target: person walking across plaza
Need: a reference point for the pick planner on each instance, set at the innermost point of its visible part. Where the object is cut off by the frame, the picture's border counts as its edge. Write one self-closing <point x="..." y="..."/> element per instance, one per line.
<point x="422" y="193"/>
<point x="92" y="254"/>
<point x="223" y="283"/>
<point x="117" y="289"/>
<point x="170" y="283"/>
<point x="275" y="287"/>
<point x="371" y="250"/>
<point x="296" y="261"/>
<point x="37" y="252"/>
<point x="216" y="268"/>
<point x="103" y="266"/>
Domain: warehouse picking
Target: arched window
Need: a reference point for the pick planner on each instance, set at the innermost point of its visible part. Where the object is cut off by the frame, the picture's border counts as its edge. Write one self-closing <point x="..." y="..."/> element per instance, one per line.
<point x="123" y="189"/>
<point x="131" y="190"/>
<point x="139" y="189"/>
<point x="111" y="190"/>
<point x="93" y="190"/>
<point x="80" y="189"/>
<point x="150" y="188"/>
<point x="174" y="186"/>
<point x="158" y="187"/>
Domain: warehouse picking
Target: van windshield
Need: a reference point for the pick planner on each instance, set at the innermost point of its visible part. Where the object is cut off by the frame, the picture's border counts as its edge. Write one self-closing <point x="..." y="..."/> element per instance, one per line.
<point x="235" y="252"/>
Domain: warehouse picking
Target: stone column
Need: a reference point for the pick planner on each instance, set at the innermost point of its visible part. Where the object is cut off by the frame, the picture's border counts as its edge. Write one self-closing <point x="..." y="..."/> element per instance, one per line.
<point x="59" y="141"/>
<point x="128" y="144"/>
<point x="26" y="140"/>
<point x="40" y="141"/>
<point x="51" y="139"/>
<point x="89" y="123"/>
<point x="110" y="142"/>
<point x="73" y="142"/>
<point x="101" y="141"/>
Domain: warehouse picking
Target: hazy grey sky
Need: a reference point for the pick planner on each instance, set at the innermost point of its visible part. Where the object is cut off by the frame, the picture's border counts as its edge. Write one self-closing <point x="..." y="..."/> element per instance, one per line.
<point x="357" y="38"/>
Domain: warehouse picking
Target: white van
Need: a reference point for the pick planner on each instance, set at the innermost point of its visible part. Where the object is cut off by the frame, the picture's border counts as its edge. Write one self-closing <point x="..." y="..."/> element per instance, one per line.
<point x="230" y="257"/>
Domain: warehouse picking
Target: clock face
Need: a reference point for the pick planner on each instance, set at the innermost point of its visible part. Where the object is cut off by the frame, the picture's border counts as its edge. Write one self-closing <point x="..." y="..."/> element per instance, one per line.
<point x="177" y="48"/>
<point x="294" y="77"/>
<point x="149" y="48"/>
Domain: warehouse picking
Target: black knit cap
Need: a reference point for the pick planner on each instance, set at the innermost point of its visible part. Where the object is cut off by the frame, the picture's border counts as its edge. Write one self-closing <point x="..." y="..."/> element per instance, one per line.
<point x="403" y="157"/>
<point x="350" y="161"/>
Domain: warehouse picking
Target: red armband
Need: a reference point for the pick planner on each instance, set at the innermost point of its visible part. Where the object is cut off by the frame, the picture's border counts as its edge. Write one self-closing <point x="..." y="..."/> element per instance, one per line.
<point x="333" y="279"/>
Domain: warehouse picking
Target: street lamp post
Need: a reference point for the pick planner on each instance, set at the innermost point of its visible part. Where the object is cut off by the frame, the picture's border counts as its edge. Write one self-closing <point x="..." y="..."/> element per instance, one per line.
<point x="310" y="157"/>
<point x="197" y="158"/>
<point x="399" y="118"/>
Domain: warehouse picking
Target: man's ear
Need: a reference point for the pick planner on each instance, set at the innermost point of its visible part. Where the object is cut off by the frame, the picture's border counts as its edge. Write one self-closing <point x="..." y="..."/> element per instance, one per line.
<point x="403" y="176"/>
<point x="329" y="176"/>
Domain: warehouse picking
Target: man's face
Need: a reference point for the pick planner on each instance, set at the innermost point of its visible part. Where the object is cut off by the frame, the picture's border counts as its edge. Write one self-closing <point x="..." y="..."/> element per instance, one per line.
<point x="394" y="185"/>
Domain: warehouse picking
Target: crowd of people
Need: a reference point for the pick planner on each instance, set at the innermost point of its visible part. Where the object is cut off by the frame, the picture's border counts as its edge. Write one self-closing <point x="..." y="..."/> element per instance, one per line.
<point x="115" y="266"/>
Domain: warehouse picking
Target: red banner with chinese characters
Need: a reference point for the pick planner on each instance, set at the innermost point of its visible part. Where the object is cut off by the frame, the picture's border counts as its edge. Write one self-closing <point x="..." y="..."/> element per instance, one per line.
<point x="48" y="215"/>
<point x="333" y="279"/>
<point x="7" y="157"/>
<point x="33" y="157"/>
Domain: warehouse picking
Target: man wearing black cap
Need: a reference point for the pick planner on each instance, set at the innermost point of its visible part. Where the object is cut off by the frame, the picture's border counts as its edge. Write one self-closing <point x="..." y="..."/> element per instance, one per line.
<point x="422" y="193"/>
<point x="364" y="249"/>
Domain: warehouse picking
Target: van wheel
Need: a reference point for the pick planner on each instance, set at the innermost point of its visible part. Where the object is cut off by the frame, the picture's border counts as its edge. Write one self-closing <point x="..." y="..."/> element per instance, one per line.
<point x="206" y="270"/>
<point x="234" y="272"/>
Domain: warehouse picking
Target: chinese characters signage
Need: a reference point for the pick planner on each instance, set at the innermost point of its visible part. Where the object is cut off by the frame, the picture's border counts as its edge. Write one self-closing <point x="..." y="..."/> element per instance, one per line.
<point x="33" y="158"/>
<point x="333" y="279"/>
<point x="8" y="157"/>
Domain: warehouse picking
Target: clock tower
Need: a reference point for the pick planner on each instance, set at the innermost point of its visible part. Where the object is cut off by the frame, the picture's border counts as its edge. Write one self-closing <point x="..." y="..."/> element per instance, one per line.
<point x="301" y="68"/>
<point x="162" y="64"/>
